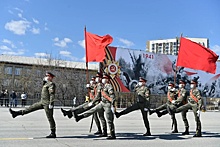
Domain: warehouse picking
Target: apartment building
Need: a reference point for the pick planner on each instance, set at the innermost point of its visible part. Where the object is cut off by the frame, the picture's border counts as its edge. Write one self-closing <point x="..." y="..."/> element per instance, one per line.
<point x="171" y="46"/>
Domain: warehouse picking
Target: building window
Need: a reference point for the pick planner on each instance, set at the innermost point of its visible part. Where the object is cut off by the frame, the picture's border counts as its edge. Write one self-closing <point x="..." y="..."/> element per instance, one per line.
<point x="8" y="70"/>
<point x="28" y="72"/>
<point x="18" y="71"/>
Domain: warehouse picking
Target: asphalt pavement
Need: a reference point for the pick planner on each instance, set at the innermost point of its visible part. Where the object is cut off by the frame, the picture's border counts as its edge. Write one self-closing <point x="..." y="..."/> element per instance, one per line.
<point x="30" y="131"/>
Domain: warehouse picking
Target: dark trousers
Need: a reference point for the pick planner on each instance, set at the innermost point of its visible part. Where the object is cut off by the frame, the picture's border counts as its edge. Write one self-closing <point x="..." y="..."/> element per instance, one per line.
<point x="1" y="101"/>
<point x="138" y="106"/>
<point x="23" y="102"/>
<point x="38" y="106"/>
<point x="6" y="102"/>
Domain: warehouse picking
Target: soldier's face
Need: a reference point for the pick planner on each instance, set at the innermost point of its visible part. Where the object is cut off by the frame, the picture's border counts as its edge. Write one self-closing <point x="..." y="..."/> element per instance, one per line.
<point x="192" y="85"/>
<point x="104" y="81"/>
<point x="97" y="79"/>
<point x="48" y="78"/>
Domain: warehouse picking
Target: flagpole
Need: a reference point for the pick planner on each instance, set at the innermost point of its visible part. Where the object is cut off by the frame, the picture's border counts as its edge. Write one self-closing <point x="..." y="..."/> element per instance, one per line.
<point x="175" y="73"/>
<point x="87" y="69"/>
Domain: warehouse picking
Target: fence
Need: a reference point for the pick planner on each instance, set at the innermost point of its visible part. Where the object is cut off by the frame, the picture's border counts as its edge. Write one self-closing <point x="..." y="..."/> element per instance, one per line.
<point x="123" y="100"/>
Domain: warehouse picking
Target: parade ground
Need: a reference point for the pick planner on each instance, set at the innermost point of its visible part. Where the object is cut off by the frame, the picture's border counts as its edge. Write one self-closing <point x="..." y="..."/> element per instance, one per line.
<point x="30" y="131"/>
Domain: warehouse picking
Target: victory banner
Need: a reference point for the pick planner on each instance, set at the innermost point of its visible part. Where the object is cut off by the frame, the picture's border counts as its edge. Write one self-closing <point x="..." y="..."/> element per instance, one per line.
<point x="125" y="66"/>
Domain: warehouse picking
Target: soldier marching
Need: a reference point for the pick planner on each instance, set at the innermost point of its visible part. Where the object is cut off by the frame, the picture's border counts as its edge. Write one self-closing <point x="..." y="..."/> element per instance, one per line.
<point x="102" y="100"/>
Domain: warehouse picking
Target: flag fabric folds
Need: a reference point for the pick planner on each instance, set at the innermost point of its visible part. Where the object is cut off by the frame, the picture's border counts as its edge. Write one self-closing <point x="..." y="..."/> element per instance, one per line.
<point x="95" y="46"/>
<point x="195" y="56"/>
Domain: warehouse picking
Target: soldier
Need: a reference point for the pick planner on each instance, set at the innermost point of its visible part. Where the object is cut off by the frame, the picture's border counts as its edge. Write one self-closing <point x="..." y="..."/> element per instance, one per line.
<point x="107" y="104"/>
<point x="169" y="105"/>
<point x="46" y="103"/>
<point x="195" y="103"/>
<point x="95" y="98"/>
<point x="143" y="102"/>
<point x="181" y="100"/>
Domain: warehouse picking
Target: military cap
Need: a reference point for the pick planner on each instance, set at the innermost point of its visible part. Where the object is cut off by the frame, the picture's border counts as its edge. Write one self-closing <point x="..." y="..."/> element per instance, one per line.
<point x="141" y="79"/>
<point x="98" y="74"/>
<point x="106" y="76"/>
<point x="171" y="83"/>
<point x="50" y="74"/>
<point x="182" y="81"/>
<point x="194" y="81"/>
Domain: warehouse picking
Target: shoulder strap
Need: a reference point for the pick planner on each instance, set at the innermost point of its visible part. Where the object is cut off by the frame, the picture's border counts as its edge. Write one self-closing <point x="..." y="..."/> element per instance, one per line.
<point x="168" y="95"/>
<point x="194" y="98"/>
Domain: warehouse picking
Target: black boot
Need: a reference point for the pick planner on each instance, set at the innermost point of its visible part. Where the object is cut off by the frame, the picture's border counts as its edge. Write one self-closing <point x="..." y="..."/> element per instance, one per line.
<point x="159" y="114"/>
<point x="99" y="132"/>
<point x="78" y="117"/>
<point x="117" y="114"/>
<point x="147" y="133"/>
<point x="104" y="134"/>
<point x="151" y="111"/>
<point x="186" y="131"/>
<point x="52" y="134"/>
<point x="175" y="131"/>
<point x="68" y="113"/>
<point x="15" y="113"/>
<point x="198" y="133"/>
<point x="175" y="125"/>
<point x="112" y="136"/>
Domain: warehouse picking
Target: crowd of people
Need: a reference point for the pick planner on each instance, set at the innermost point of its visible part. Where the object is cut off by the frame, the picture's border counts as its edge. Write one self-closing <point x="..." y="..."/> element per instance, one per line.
<point x="11" y="99"/>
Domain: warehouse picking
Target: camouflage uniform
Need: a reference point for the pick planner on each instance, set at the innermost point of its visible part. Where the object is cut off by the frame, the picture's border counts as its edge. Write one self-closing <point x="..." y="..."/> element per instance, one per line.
<point x="143" y="102"/>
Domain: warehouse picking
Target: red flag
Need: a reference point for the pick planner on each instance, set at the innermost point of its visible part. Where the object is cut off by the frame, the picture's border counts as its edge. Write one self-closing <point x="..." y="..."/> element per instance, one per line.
<point x="189" y="73"/>
<point x="196" y="56"/>
<point x="95" y="46"/>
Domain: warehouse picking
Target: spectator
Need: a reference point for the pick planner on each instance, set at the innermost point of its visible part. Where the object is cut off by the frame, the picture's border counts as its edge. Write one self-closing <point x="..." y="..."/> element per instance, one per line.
<point x="74" y="101"/>
<point x="6" y="97"/>
<point x="1" y="97"/>
<point x="23" y="99"/>
<point x="13" y="99"/>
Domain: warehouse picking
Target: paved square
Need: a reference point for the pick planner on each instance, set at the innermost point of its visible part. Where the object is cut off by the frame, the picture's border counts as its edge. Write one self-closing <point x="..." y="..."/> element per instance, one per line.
<point x="30" y="131"/>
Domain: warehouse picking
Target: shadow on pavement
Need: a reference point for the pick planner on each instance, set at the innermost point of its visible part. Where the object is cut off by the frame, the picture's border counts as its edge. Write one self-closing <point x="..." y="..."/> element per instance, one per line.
<point x="136" y="136"/>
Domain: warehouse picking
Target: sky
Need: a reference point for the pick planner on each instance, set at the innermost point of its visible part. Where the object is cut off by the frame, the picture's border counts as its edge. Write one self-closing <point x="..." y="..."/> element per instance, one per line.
<point x="44" y="28"/>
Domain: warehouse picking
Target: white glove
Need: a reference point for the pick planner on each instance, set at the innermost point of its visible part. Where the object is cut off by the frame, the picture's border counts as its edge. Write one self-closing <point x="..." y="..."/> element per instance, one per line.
<point x="198" y="113"/>
<point x="113" y="109"/>
<point x="87" y="85"/>
<point x="50" y="106"/>
<point x="145" y="109"/>
<point x="90" y="104"/>
<point x="173" y="101"/>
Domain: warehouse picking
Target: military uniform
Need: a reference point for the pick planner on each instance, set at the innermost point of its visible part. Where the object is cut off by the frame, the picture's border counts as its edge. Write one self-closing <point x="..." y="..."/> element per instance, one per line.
<point x="107" y="101"/>
<point x="143" y="102"/>
<point x="168" y="106"/>
<point x="85" y="106"/>
<point x="194" y="103"/>
<point x="46" y="103"/>
<point x="94" y="99"/>
<point x="182" y="100"/>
